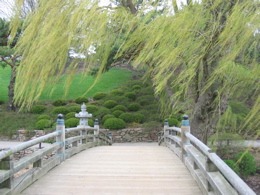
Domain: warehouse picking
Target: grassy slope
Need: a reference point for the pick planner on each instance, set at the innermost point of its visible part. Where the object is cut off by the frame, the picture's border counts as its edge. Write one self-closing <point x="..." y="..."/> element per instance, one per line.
<point x="79" y="85"/>
<point x="5" y="74"/>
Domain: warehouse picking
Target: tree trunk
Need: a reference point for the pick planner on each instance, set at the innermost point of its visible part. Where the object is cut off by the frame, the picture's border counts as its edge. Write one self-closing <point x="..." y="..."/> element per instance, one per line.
<point x="11" y="106"/>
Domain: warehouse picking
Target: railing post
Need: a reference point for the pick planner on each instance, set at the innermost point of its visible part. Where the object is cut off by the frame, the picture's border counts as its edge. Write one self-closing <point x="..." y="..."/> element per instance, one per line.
<point x="96" y="131"/>
<point x="166" y="132"/>
<point x="7" y="164"/>
<point x="60" y="138"/>
<point x="185" y="127"/>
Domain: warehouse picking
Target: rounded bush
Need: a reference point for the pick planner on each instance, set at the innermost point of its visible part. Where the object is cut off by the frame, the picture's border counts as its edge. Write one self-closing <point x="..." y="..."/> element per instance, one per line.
<point x="139" y="118"/>
<point x="127" y="117"/>
<point x="99" y="96"/>
<point x="92" y="108"/>
<point x="117" y="92"/>
<point x="173" y="122"/>
<point x="134" y="107"/>
<point x="110" y="104"/>
<point x="43" y="124"/>
<point x="59" y="102"/>
<point x="38" y="109"/>
<point x="246" y="163"/>
<point x="101" y="112"/>
<point x="136" y="87"/>
<point x="90" y="123"/>
<point x="119" y="107"/>
<point x="81" y="100"/>
<point x="130" y="95"/>
<point x="232" y="165"/>
<point x="104" y="118"/>
<point x="74" y="109"/>
<point x="72" y="122"/>
<point x="117" y="113"/>
<point x="114" y="123"/>
<point x="60" y="110"/>
<point x="44" y="116"/>
<point x="144" y="102"/>
<point x="70" y="115"/>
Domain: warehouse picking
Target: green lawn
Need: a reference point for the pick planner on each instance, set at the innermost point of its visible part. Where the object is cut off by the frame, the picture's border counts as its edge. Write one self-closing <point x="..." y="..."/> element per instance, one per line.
<point x="5" y="75"/>
<point x="109" y="80"/>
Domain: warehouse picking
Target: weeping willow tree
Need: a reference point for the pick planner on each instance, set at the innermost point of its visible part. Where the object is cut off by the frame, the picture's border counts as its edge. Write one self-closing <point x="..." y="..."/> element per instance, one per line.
<point x="198" y="58"/>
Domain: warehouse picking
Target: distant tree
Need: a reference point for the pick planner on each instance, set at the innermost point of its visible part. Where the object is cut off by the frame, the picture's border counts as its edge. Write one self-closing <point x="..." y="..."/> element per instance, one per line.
<point x="8" y="58"/>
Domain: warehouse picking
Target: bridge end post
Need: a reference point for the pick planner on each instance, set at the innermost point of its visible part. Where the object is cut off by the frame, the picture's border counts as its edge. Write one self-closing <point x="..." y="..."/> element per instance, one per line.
<point x="96" y="131"/>
<point x="165" y="131"/>
<point x="185" y="127"/>
<point x="60" y="138"/>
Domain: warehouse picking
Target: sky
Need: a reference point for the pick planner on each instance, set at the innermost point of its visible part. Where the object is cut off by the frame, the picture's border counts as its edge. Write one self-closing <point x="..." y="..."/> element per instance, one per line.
<point x="5" y="8"/>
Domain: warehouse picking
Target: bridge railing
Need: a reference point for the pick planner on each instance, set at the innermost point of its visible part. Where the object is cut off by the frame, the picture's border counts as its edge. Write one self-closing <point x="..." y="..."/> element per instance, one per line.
<point x="12" y="181"/>
<point x="211" y="173"/>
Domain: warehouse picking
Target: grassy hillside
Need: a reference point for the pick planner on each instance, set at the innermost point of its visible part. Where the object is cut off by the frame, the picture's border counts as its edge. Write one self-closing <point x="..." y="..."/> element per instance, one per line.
<point x="110" y="80"/>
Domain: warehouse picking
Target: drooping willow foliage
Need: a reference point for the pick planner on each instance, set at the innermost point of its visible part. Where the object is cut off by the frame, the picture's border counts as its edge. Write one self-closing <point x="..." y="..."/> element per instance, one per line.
<point x="199" y="58"/>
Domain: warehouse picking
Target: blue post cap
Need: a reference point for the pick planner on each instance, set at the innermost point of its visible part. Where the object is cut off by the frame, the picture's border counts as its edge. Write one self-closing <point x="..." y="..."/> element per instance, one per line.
<point x="60" y="120"/>
<point x="96" y="122"/>
<point x="185" y="121"/>
<point x="185" y="117"/>
<point x="166" y="123"/>
<point x="60" y="116"/>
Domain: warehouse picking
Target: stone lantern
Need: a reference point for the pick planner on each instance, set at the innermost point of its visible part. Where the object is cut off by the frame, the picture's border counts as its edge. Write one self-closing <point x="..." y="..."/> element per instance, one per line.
<point x="83" y="116"/>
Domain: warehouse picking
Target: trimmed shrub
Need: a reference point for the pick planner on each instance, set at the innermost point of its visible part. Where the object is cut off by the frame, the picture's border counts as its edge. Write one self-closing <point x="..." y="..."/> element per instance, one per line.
<point x="127" y="117"/>
<point x="114" y="123"/>
<point x="74" y="109"/>
<point x="38" y="109"/>
<point x="117" y="113"/>
<point x="72" y="122"/>
<point x="118" y="92"/>
<point x="101" y="112"/>
<point x="148" y="97"/>
<point x="110" y="104"/>
<point x="246" y="163"/>
<point x="107" y="116"/>
<point x="134" y="107"/>
<point x="81" y="100"/>
<point x="90" y="122"/>
<point x="119" y="107"/>
<point x="45" y="116"/>
<point x="59" y="102"/>
<point x="130" y="95"/>
<point x="92" y="108"/>
<point x="173" y="122"/>
<point x="99" y="96"/>
<point x="2" y="102"/>
<point x="144" y="102"/>
<point x="139" y="118"/>
<point x="43" y="124"/>
<point x="136" y="87"/>
<point x="232" y="165"/>
<point x="70" y="115"/>
<point x="60" y="110"/>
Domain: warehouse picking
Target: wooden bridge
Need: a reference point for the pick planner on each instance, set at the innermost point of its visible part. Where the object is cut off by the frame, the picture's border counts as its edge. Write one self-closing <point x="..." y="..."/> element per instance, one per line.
<point x="180" y="164"/>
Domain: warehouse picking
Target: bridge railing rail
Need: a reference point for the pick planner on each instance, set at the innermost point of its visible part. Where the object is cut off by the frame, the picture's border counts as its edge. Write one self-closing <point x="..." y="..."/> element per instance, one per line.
<point x="15" y="176"/>
<point x="211" y="173"/>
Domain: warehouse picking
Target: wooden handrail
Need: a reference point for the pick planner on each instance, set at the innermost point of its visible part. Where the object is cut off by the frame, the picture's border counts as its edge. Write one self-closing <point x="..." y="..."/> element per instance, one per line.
<point x="64" y="149"/>
<point x="203" y="164"/>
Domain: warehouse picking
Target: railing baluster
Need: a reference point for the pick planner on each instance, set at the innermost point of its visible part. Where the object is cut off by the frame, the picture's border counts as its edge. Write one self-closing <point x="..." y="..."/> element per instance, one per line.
<point x="7" y="164"/>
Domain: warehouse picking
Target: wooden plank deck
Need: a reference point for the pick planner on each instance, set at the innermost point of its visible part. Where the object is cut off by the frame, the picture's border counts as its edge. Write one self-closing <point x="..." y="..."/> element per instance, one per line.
<point x="118" y="170"/>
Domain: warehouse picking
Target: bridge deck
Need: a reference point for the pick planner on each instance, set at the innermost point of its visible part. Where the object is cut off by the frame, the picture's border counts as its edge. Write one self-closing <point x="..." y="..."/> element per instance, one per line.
<point x="118" y="170"/>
